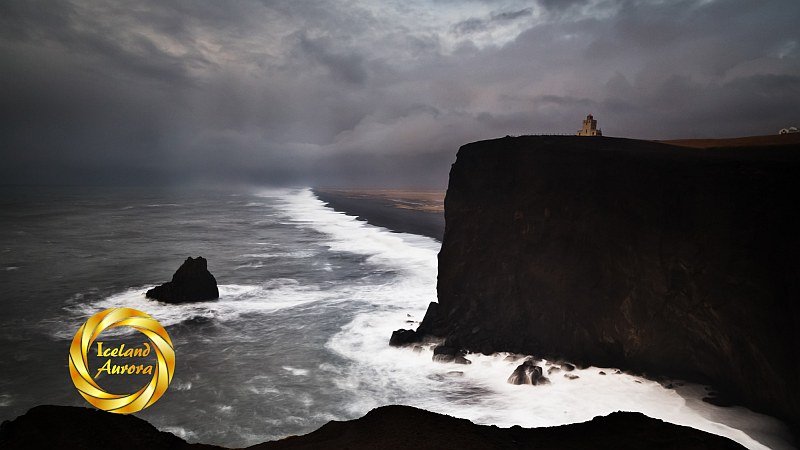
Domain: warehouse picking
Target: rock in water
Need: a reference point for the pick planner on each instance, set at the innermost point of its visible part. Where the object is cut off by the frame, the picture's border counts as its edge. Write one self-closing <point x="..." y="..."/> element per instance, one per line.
<point x="403" y="337"/>
<point x="528" y="373"/>
<point x="446" y="354"/>
<point x="192" y="282"/>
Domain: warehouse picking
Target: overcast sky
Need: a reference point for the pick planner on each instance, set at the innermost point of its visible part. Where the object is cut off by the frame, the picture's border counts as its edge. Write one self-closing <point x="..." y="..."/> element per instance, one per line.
<point x="370" y="92"/>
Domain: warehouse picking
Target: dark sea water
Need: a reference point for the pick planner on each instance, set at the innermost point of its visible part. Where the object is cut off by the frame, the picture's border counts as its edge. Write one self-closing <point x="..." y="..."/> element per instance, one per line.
<point x="309" y="298"/>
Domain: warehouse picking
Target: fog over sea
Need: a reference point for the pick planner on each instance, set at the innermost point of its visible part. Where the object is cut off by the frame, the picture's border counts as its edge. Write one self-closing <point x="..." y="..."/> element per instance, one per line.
<point x="299" y="336"/>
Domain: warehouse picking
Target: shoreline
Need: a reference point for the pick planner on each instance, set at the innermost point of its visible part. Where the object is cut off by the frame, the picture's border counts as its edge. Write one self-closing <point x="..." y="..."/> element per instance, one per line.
<point x="400" y="211"/>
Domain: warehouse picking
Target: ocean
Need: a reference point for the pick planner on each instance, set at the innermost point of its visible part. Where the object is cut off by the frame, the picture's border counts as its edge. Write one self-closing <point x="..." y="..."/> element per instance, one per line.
<point x="308" y="300"/>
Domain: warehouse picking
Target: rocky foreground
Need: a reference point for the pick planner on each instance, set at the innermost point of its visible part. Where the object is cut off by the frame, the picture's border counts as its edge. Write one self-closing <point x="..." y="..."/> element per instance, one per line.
<point x="633" y="254"/>
<point x="387" y="427"/>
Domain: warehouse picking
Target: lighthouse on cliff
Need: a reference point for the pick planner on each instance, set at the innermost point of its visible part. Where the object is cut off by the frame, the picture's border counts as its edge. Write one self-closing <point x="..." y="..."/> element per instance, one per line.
<point x="590" y="127"/>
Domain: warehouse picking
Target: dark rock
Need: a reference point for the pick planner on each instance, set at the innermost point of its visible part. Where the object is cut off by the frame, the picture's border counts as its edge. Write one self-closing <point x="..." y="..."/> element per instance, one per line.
<point x="69" y="427"/>
<point x="192" y="282"/>
<point x="402" y="338"/>
<point x="446" y="350"/>
<point x="553" y="369"/>
<point x="718" y="399"/>
<point x="198" y="320"/>
<point x="650" y="258"/>
<point x="446" y="354"/>
<point x="571" y="376"/>
<point x="461" y="360"/>
<point x="667" y="383"/>
<point x="388" y="427"/>
<point x="568" y="367"/>
<point x="425" y="329"/>
<point x="602" y="373"/>
<point x="432" y="323"/>
<point x="528" y="373"/>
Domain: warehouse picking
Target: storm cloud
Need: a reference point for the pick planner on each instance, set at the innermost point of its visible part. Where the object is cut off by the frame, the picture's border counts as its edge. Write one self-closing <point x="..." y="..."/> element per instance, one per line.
<point x="370" y="93"/>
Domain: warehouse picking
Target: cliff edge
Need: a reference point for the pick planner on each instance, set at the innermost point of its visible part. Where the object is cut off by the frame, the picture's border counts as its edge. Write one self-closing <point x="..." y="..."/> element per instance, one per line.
<point x="631" y="254"/>
<point x="387" y="427"/>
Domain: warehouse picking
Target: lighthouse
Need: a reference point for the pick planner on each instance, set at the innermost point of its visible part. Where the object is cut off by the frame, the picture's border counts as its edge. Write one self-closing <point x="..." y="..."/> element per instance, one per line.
<point x="590" y="127"/>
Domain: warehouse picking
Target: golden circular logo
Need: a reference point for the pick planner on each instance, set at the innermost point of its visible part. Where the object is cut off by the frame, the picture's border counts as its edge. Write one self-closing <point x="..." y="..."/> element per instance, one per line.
<point x="162" y="371"/>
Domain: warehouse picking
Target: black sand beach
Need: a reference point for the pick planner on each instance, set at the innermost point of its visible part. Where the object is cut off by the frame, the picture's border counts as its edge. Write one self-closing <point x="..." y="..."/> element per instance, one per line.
<point x="400" y="211"/>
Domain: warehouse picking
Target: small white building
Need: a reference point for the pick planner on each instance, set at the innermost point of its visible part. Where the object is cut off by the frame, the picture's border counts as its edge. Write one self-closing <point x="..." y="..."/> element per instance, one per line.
<point x="590" y="127"/>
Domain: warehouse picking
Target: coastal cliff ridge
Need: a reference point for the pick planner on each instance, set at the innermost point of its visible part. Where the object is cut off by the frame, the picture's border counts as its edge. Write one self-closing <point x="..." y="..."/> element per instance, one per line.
<point x="634" y="254"/>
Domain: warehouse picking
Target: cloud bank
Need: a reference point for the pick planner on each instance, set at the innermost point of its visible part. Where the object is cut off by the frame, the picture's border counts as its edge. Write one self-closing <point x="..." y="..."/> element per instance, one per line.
<point x="373" y="92"/>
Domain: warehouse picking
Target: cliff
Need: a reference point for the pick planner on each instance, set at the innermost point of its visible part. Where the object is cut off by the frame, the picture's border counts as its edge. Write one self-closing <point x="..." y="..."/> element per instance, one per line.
<point x="387" y="427"/>
<point x="632" y="254"/>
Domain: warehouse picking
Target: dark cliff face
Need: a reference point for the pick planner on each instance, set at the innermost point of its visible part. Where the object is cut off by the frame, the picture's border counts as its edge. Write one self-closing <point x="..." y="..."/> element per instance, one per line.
<point x="631" y="254"/>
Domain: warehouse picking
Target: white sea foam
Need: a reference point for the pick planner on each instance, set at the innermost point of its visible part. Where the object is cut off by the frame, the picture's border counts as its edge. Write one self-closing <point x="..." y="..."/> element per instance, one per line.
<point x="295" y="254"/>
<point x="234" y="301"/>
<point x="295" y="372"/>
<point x="181" y="386"/>
<point x="260" y="385"/>
<point x="151" y="205"/>
<point x="253" y="265"/>
<point x="410" y="252"/>
<point x="380" y="374"/>
<point x="181" y="432"/>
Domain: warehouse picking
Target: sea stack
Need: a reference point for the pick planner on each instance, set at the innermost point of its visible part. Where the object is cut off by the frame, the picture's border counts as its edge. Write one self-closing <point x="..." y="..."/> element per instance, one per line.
<point x="192" y="282"/>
